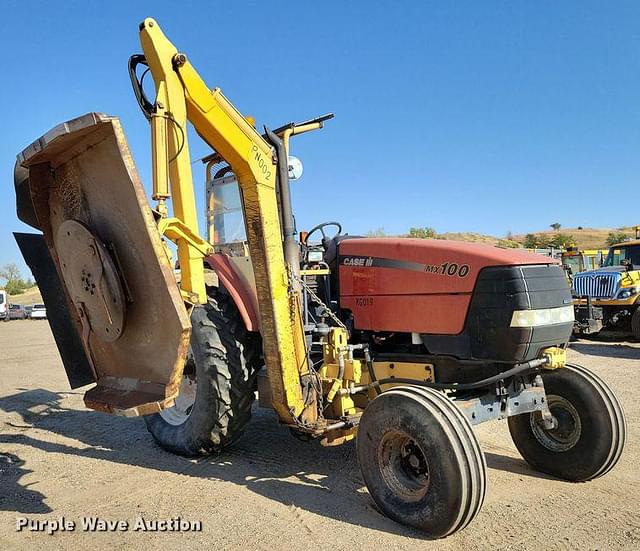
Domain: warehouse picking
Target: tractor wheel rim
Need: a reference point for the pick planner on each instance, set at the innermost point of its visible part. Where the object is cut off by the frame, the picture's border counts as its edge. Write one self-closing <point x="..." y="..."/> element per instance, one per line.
<point x="568" y="430"/>
<point x="403" y="465"/>
<point x="180" y="411"/>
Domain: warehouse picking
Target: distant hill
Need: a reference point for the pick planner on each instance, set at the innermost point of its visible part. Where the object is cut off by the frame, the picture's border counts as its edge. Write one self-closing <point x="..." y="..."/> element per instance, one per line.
<point x="585" y="238"/>
<point x="470" y="236"/>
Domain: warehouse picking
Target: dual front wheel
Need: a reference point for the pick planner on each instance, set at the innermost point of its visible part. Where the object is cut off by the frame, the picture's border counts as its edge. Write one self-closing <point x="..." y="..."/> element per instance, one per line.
<point x="423" y="465"/>
<point x="421" y="461"/>
<point x="590" y="430"/>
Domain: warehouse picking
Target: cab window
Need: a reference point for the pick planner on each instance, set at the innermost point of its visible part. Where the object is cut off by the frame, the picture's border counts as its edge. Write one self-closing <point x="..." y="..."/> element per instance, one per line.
<point x="616" y="256"/>
<point x="226" y="218"/>
<point x="573" y="262"/>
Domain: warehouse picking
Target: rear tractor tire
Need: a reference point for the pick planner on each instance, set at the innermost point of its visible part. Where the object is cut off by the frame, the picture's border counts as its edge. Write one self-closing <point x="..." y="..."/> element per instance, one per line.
<point x="421" y="461"/>
<point x="590" y="433"/>
<point x="218" y="387"/>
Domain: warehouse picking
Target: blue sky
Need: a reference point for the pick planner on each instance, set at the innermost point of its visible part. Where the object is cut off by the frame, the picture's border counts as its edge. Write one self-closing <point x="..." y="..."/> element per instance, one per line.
<point x="464" y="116"/>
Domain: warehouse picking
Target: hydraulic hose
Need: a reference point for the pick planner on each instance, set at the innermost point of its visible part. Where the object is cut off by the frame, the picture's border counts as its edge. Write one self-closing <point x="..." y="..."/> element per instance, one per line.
<point x="371" y="370"/>
<point x="466" y="386"/>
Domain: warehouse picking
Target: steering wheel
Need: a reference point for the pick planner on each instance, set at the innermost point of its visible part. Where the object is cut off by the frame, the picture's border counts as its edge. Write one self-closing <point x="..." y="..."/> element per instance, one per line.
<point x="320" y="228"/>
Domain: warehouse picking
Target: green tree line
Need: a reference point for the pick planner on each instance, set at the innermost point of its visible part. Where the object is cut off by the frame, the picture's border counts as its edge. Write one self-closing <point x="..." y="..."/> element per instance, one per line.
<point x="15" y="284"/>
<point x="544" y="241"/>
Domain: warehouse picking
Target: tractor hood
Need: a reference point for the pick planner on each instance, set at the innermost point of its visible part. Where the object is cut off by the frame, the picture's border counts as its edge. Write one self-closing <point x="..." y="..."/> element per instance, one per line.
<point x="460" y="297"/>
<point x="452" y="266"/>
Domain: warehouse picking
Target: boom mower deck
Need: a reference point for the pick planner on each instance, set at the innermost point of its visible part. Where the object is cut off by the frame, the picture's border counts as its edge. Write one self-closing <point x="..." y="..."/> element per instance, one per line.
<point x="118" y="285"/>
<point x="403" y="343"/>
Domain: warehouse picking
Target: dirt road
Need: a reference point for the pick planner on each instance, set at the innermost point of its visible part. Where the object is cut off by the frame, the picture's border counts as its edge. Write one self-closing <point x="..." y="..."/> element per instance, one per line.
<point x="272" y="491"/>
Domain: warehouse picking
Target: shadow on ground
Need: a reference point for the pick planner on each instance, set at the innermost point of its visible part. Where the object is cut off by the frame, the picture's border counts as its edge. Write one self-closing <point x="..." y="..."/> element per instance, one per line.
<point x="16" y="496"/>
<point x="513" y="465"/>
<point x="622" y="351"/>
<point x="267" y="459"/>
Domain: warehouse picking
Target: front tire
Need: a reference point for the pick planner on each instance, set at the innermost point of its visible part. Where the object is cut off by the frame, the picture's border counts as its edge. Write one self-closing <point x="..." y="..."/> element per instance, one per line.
<point x="421" y="461"/>
<point x="590" y="433"/>
<point x="218" y="389"/>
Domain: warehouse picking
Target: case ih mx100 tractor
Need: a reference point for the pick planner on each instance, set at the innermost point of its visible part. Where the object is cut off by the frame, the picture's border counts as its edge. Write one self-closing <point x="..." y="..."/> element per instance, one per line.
<point x="402" y="344"/>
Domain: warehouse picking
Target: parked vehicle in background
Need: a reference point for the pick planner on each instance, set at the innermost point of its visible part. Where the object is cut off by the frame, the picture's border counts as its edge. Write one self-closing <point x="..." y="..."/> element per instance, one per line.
<point x="17" y="312"/>
<point x="609" y="297"/>
<point x="27" y="310"/>
<point x="38" y="312"/>
<point x="3" y="304"/>
<point x="575" y="260"/>
<point x="551" y="252"/>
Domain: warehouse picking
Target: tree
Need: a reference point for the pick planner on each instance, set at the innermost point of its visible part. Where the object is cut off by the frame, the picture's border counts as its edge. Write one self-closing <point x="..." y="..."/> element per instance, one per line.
<point x="531" y="241"/>
<point x="507" y="244"/>
<point x="10" y="272"/>
<point x="561" y="241"/>
<point x="555" y="226"/>
<point x="14" y="285"/>
<point x="423" y="233"/>
<point x="617" y="237"/>
<point x="378" y="232"/>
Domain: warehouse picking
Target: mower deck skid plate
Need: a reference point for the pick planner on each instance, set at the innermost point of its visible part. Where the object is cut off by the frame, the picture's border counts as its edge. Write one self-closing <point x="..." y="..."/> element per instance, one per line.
<point x="110" y="261"/>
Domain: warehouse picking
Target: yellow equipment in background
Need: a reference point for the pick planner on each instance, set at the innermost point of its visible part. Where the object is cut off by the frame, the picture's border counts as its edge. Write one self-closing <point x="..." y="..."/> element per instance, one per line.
<point x="609" y="295"/>
<point x="575" y="260"/>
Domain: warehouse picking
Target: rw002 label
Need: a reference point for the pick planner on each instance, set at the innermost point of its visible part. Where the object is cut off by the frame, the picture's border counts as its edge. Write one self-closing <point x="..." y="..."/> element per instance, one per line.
<point x="264" y="165"/>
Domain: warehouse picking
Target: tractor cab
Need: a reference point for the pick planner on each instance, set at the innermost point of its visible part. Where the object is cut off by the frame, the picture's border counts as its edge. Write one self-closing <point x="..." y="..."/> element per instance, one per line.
<point x="225" y="219"/>
<point x="226" y="230"/>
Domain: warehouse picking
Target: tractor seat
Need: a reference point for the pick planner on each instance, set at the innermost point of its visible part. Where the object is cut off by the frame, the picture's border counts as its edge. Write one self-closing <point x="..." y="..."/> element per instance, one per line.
<point x="331" y="249"/>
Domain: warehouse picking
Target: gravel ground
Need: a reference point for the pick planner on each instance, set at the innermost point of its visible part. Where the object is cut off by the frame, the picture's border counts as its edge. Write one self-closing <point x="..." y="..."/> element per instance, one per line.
<point x="58" y="459"/>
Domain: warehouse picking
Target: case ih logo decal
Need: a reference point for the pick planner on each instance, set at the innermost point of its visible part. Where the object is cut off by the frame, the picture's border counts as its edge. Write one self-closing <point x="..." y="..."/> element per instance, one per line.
<point x="446" y="268"/>
<point x="357" y="261"/>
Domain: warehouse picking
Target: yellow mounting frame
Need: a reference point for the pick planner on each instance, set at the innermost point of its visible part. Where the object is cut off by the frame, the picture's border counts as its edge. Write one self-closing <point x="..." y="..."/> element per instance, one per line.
<point x="182" y="95"/>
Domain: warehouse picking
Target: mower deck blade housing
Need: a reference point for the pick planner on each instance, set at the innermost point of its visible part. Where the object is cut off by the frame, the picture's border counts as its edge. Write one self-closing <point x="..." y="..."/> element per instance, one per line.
<point x="109" y="259"/>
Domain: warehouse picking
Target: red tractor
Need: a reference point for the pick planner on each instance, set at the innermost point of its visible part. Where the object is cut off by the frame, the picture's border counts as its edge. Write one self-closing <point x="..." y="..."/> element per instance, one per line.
<point x="405" y="344"/>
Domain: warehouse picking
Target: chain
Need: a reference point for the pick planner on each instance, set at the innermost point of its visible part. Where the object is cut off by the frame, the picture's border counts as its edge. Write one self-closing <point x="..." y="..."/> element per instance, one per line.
<point x="316" y="298"/>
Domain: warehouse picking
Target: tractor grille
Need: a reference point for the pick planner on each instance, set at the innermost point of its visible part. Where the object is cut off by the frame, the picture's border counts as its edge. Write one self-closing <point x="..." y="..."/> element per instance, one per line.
<point x="596" y="285"/>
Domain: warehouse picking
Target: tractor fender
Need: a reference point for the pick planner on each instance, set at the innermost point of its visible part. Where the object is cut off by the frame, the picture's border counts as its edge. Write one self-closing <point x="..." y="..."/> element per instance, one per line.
<point x="238" y="287"/>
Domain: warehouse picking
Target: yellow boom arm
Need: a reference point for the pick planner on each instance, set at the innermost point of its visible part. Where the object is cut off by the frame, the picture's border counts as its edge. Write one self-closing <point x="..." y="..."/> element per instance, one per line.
<point x="182" y="95"/>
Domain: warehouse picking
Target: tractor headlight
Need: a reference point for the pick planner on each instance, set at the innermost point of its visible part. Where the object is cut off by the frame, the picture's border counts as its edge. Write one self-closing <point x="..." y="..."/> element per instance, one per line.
<point x="544" y="316"/>
<point x="627" y="292"/>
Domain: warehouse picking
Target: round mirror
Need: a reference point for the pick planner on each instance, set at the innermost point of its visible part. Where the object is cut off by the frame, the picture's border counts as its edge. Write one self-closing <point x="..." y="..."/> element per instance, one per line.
<point x="295" y="168"/>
